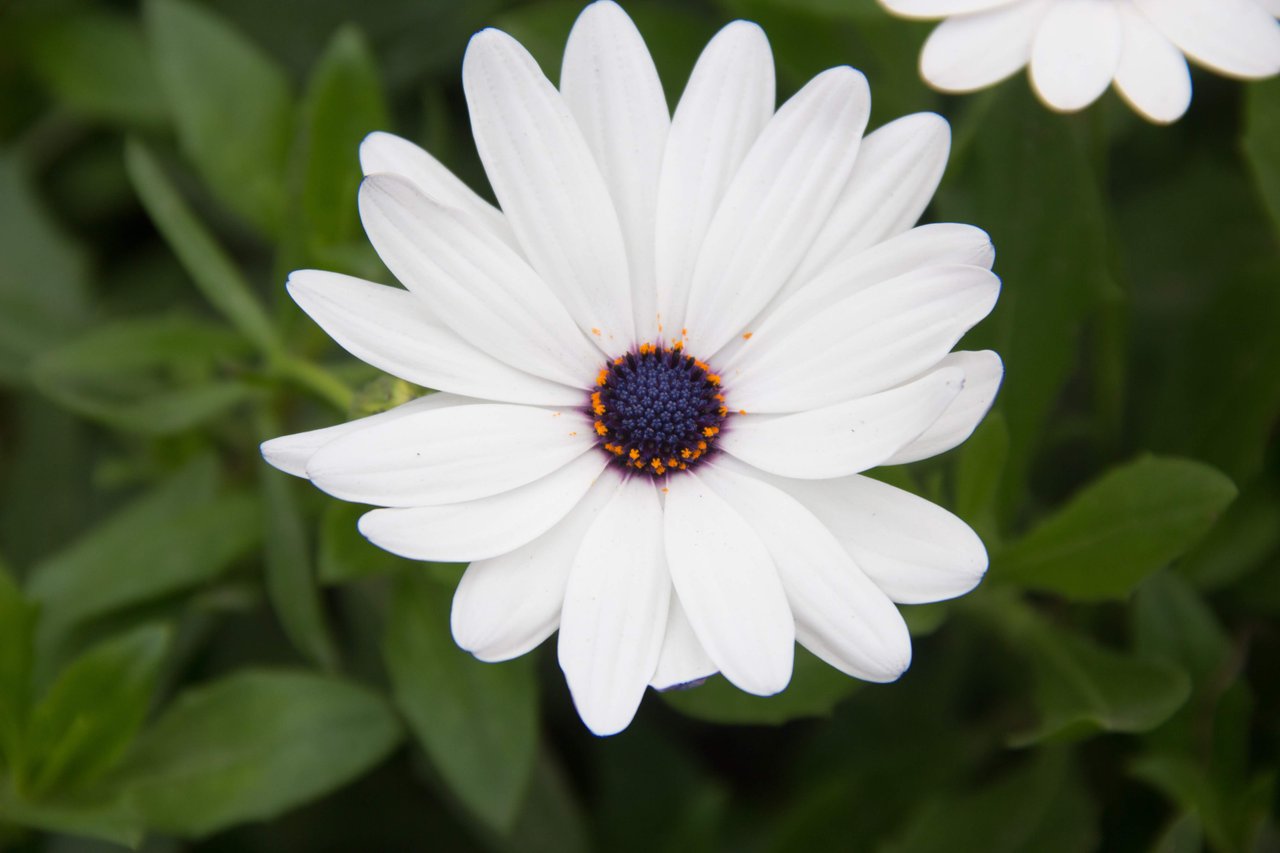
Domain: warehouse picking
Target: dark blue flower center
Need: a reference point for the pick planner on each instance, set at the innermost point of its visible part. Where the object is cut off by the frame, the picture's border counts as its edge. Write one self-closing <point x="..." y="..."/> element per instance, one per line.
<point x="658" y="410"/>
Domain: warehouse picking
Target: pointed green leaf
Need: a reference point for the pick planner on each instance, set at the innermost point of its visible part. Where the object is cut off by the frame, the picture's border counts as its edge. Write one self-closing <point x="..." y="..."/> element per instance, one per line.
<point x="1262" y="142"/>
<point x="252" y="746"/>
<point x="1129" y="523"/>
<point x="344" y="555"/>
<point x="1172" y="622"/>
<point x="231" y="105"/>
<point x="476" y="721"/>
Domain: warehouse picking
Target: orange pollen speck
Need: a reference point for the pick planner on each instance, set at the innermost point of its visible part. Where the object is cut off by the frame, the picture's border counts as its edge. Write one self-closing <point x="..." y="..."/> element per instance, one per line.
<point x="710" y="431"/>
<point x="634" y="454"/>
<point x="602" y="377"/>
<point x="746" y="336"/>
<point x="601" y="429"/>
<point x="742" y="411"/>
<point x="595" y="331"/>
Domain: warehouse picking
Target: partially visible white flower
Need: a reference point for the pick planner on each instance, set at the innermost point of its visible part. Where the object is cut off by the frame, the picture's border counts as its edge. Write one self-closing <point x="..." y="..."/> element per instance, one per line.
<point x="1077" y="48"/>
<point x="663" y="366"/>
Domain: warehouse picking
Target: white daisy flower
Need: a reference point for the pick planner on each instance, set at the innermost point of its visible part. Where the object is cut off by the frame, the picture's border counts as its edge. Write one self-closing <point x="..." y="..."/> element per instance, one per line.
<point x="662" y="368"/>
<point x="1075" y="49"/>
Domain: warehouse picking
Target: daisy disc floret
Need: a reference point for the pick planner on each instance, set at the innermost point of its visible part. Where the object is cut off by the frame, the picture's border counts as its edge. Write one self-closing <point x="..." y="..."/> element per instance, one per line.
<point x="662" y="367"/>
<point x="1075" y="49"/>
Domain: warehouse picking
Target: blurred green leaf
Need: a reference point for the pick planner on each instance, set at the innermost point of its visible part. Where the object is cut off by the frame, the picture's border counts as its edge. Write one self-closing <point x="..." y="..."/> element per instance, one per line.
<point x="253" y="745"/>
<point x="204" y="260"/>
<point x="1082" y="688"/>
<point x="1262" y="141"/>
<point x="1229" y="816"/>
<point x="232" y="107"/>
<point x="154" y="376"/>
<point x="477" y="722"/>
<point x="343" y="104"/>
<point x="43" y="276"/>
<point x="1131" y="522"/>
<point x="979" y="469"/>
<point x="1040" y="806"/>
<point x="180" y="534"/>
<point x="108" y="820"/>
<point x="98" y="63"/>
<point x="1184" y="835"/>
<point x="814" y="691"/>
<point x="1172" y="622"/>
<point x="344" y="555"/>
<point x="92" y="712"/>
<point x="550" y="820"/>
<point x="17" y="627"/>
<point x="291" y="581"/>
<point x="1241" y="542"/>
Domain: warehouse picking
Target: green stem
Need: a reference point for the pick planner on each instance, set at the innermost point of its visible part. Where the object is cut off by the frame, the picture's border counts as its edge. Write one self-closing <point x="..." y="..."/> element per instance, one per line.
<point x="315" y="379"/>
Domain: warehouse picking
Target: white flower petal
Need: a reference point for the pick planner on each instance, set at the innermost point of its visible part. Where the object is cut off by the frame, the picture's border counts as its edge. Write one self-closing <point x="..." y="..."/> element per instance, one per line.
<point x="875" y="339"/>
<point x="615" y="609"/>
<point x="393" y="330"/>
<point x="927" y="9"/>
<point x="846" y="438"/>
<point x="896" y="174"/>
<point x="1272" y="7"/>
<point x="841" y="615"/>
<point x="1153" y="75"/>
<point x="983" y="372"/>
<point x="476" y="284"/>
<point x="1234" y="37"/>
<point x="914" y="550"/>
<point x="485" y="527"/>
<point x="610" y="85"/>
<point x="972" y="52"/>
<point x="291" y="453"/>
<point x="776" y="205"/>
<point x="507" y="605"/>
<point x="449" y="455"/>
<point x="727" y="102"/>
<point x="1076" y="53"/>
<point x="729" y="587"/>
<point x="387" y="153"/>
<point x="683" y="660"/>
<point x="549" y="186"/>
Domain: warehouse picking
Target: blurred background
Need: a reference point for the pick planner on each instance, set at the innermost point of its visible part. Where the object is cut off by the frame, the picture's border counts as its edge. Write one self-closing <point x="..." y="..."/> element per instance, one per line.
<point x="197" y="653"/>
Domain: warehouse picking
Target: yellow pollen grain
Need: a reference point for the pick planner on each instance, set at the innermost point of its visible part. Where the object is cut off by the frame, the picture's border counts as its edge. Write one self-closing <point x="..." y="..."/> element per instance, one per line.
<point x="601" y="377"/>
<point x="595" y="331"/>
<point x="601" y="429"/>
<point x="710" y="431"/>
<point x="746" y="336"/>
<point x="742" y="411"/>
<point x="634" y="454"/>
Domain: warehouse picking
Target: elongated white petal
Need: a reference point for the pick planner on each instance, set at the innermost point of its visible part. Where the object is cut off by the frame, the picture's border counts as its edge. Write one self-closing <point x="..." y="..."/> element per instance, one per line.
<point x="477" y="285"/>
<point x="870" y="341"/>
<point x="507" y="605"/>
<point x="291" y="453"/>
<point x="615" y="609"/>
<point x="393" y="330"/>
<point x="485" y="527"/>
<point x="729" y="588"/>
<point x="914" y="550"/>
<point x="387" y="153"/>
<point x="776" y="205"/>
<point x="549" y="186"/>
<point x="845" y="438"/>
<point x="1234" y="37"/>
<point x="896" y="174"/>
<point x="449" y="455"/>
<point x="941" y="8"/>
<point x="971" y="52"/>
<point x="1153" y="75"/>
<point x="683" y="660"/>
<point x="1272" y="7"/>
<point x="728" y="101"/>
<point x="983" y="372"/>
<point x="841" y="615"/>
<point x="612" y="88"/>
<point x="1076" y="53"/>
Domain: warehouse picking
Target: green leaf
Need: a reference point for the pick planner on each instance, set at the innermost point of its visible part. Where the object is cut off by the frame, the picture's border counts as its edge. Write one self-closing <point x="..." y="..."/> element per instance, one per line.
<point x="97" y="63"/>
<point x="1129" y="523"/>
<point x="231" y="105"/>
<point x="1039" y="806"/>
<point x="343" y="104"/>
<point x="92" y="712"/>
<point x="1082" y="688"/>
<point x="1241" y="542"/>
<point x="210" y="268"/>
<point x="252" y="746"/>
<point x="179" y="535"/>
<point x="477" y="722"/>
<point x="154" y="376"/>
<point x="1262" y="142"/>
<point x="17" y="628"/>
<point x="344" y="555"/>
<point x="1229" y="816"/>
<point x="979" y="469"/>
<point x="291" y="582"/>
<point x="814" y="691"/>
<point x="1172" y="622"/>
<point x="108" y="819"/>
<point x="551" y="820"/>
<point x="43" y="275"/>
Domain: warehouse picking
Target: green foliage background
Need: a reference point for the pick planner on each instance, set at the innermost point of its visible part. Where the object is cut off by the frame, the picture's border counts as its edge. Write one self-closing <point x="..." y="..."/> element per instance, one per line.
<point x="197" y="653"/>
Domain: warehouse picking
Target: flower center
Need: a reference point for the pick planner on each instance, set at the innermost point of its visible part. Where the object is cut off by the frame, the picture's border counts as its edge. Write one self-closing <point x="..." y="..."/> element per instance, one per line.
<point x="657" y="409"/>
